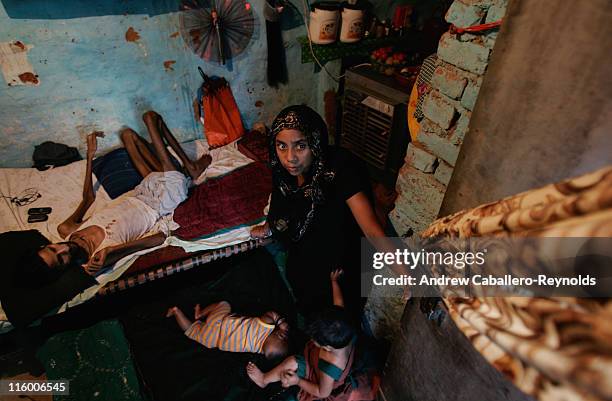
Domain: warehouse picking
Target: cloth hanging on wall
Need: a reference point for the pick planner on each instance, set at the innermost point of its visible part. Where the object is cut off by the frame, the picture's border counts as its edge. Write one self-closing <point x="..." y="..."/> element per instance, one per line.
<point x="550" y="348"/>
<point x="277" y="62"/>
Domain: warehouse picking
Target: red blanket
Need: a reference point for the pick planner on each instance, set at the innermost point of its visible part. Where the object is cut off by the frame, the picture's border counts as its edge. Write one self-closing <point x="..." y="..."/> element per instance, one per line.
<point x="220" y="203"/>
<point x="234" y="199"/>
<point x="254" y="144"/>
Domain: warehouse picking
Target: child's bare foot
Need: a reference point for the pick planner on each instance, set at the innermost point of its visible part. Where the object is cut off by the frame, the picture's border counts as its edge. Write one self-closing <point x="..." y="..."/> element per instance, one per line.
<point x="171" y="311"/>
<point x="197" y="312"/>
<point x="255" y="374"/>
<point x="197" y="167"/>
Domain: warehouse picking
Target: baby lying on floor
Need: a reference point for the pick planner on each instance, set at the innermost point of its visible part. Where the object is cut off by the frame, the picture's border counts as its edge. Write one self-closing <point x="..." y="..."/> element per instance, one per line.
<point x="216" y="327"/>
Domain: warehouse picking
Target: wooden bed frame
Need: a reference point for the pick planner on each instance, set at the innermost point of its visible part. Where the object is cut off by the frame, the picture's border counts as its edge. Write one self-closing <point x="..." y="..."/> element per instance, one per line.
<point x="139" y="276"/>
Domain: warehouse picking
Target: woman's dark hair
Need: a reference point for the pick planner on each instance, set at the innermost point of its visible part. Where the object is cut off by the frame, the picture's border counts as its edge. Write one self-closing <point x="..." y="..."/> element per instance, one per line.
<point x="332" y="326"/>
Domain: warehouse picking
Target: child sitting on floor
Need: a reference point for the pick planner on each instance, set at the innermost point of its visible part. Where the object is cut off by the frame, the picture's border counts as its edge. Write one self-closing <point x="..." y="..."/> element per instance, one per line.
<point x="327" y="358"/>
<point x="216" y="327"/>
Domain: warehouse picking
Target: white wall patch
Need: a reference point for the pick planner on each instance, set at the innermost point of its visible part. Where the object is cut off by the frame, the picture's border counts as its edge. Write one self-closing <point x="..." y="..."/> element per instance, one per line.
<point x="16" y="68"/>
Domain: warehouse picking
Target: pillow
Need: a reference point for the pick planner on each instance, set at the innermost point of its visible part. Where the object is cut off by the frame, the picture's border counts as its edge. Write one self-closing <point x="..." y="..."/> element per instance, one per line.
<point x="116" y="173"/>
<point x="22" y="301"/>
<point x="225" y="202"/>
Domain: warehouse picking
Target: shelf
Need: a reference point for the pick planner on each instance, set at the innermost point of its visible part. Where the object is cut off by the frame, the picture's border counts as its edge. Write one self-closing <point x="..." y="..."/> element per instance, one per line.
<point x="338" y="49"/>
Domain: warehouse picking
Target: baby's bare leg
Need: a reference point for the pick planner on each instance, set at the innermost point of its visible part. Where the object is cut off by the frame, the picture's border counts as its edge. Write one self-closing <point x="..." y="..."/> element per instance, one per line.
<point x="180" y="317"/>
<point x="263" y="379"/>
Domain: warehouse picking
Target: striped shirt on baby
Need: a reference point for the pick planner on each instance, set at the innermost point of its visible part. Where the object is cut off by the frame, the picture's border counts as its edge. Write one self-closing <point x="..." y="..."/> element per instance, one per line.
<point x="230" y="332"/>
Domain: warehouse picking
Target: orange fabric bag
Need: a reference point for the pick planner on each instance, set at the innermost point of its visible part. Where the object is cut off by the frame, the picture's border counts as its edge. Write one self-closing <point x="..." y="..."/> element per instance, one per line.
<point x="222" y="123"/>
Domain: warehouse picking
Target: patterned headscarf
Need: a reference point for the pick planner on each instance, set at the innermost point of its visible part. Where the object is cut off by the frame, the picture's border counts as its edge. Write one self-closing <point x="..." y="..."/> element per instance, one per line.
<point x="310" y="123"/>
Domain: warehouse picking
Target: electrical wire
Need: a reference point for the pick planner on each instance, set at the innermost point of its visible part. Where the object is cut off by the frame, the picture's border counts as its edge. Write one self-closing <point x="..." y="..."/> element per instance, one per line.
<point x="306" y="25"/>
<point x="27" y="197"/>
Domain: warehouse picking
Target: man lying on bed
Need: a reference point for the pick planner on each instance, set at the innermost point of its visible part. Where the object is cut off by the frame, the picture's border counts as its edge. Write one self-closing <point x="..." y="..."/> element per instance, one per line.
<point x="116" y="231"/>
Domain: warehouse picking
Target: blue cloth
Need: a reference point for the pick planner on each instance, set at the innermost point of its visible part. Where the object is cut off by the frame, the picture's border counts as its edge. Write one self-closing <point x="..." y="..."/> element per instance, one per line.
<point x="301" y="362"/>
<point x="330" y="370"/>
<point x="116" y="172"/>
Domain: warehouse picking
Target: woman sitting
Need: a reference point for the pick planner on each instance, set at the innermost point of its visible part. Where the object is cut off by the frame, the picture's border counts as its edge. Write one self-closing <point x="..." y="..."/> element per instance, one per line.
<point x="320" y="209"/>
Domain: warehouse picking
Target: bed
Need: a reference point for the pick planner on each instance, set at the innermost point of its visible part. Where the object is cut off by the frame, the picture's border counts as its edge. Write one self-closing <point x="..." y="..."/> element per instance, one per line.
<point x="223" y="183"/>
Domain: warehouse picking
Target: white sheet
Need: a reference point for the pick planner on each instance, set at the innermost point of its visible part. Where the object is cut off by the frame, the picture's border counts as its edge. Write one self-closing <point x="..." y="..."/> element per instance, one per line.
<point x="61" y="189"/>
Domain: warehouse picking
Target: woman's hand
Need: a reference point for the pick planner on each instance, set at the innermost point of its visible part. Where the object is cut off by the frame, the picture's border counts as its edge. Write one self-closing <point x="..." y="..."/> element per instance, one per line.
<point x="261" y="231"/>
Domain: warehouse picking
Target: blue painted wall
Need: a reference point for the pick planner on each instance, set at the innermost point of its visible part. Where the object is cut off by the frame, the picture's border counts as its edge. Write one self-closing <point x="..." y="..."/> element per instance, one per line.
<point x="91" y="77"/>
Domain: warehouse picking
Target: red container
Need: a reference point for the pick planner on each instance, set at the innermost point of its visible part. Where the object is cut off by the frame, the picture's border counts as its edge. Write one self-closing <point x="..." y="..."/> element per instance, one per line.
<point x="400" y="14"/>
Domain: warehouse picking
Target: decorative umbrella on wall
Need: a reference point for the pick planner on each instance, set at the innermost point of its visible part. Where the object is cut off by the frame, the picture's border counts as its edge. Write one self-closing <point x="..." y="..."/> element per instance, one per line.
<point x="216" y="30"/>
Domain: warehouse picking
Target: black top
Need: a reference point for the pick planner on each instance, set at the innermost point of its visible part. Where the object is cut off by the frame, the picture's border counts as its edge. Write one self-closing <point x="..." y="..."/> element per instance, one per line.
<point x="332" y="239"/>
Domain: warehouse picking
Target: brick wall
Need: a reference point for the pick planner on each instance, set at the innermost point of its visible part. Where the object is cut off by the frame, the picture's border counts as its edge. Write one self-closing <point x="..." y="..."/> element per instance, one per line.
<point x="462" y="62"/>
<point x="429" y="162"/>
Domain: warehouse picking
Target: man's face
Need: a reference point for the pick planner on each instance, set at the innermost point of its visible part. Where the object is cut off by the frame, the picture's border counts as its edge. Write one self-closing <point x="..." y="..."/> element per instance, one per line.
<point x="61" y="254"/>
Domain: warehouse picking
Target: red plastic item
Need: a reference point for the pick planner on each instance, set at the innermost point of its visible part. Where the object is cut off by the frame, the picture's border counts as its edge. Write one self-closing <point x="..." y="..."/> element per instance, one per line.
<point x="475" y="28"/>
<point x="399" y="16"/>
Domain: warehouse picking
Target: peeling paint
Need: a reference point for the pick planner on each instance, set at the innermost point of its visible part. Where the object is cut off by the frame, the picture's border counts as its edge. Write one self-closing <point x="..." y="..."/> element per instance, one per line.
<point x="28" y="77"/>
<point x="168" y="65"/>
<point x="259" y="103"/>
<point x="175" y="35"/>
<point x="131" y="35"/>
<point x="16" y="68"/>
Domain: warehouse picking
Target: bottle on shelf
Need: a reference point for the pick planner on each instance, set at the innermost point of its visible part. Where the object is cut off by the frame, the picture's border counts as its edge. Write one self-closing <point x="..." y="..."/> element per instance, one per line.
<point x="380" y="29"/>
<point x="371" y="31"/>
